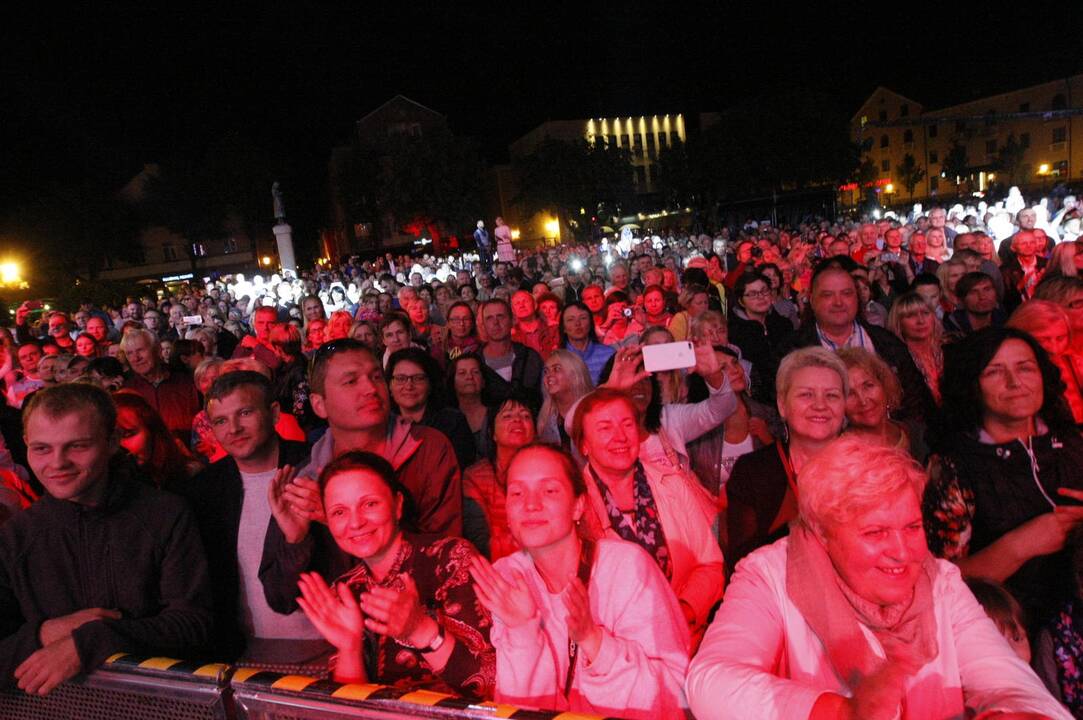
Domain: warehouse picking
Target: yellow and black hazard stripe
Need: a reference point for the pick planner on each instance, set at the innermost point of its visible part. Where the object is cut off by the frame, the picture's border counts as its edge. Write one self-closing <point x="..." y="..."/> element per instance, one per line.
<point x="371" y="692"/>
<point x="211" y="671"/>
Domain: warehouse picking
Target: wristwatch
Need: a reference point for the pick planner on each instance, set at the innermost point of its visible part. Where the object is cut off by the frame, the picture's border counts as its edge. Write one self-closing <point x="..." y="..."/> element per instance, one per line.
<point x="438" y="640"/>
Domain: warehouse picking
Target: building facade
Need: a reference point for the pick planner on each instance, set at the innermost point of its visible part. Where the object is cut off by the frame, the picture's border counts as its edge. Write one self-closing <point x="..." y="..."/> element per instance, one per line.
<point x="1043" y="123"/>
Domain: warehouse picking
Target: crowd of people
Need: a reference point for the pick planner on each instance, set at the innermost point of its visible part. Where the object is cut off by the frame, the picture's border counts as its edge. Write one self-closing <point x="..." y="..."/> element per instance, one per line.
<point x="860" y="497"/>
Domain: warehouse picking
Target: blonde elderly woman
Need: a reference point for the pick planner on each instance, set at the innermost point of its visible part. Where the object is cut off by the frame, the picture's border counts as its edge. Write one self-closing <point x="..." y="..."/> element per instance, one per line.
<point x="851" y="617"/>
<point x="763" y="489"/>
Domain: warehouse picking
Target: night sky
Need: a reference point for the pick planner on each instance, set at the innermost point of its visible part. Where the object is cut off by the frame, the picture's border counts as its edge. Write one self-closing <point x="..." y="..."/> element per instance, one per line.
<point x="99" y="92"/>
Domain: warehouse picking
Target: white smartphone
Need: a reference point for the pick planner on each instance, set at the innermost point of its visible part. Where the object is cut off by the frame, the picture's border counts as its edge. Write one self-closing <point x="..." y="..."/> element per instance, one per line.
<point x="668" y="356"/>
<point x="193" y="319"/>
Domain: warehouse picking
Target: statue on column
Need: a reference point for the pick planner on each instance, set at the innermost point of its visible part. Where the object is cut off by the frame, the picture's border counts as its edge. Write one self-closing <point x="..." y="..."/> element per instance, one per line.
<point x="280" y="209"/>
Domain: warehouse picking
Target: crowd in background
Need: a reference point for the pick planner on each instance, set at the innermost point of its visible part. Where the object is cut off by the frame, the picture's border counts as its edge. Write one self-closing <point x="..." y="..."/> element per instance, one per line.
<point x="862" y="492"/>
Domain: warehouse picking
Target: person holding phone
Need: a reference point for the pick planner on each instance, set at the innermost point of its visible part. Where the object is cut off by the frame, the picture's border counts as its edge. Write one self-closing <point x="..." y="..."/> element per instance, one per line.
<point x="1006" y="486"/>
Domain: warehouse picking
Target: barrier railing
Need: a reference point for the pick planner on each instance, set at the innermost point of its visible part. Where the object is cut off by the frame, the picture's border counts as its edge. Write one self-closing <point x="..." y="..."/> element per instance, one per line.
<point x="129" y="687"/>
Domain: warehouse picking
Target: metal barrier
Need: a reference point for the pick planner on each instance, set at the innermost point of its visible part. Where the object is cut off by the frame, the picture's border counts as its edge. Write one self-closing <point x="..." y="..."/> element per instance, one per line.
<point x="260" y="695"/>
<point x="130" y="688"/>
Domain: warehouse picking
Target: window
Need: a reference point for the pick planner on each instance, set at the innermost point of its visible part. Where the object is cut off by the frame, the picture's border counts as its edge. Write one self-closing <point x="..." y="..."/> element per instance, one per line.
<point x="1024" y="140"/>
<point x="883" y="116"/>
<point x="990" y="146"/>
<point x="1024" y="107"/>
<point x="960" y="126"/>
<point x="1059" y="102"/>
<point x="884" y="142"/>
<point x="934" y="157"/>
<point x="904" y="110"/>
<point x="641" y="178"/>
<point x="169" y="253"/>
<point x="932" y="131"/>
<point x="908" y="136"/>
<point x="1060" y="167"/>
<point x="229" y="246"/>
<point x="1060" y="134"/>
<point x="198" y="250"/>
<point x="674" y="138"/>
<point x="866" y="145"/>
<point x="934" y="183"/>
<point x="885" y="165"/>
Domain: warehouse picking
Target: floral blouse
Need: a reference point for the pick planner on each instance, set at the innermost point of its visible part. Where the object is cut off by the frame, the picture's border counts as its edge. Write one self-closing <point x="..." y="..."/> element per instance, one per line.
<point x="948" y="508"/>
<point x="440" y="568"/>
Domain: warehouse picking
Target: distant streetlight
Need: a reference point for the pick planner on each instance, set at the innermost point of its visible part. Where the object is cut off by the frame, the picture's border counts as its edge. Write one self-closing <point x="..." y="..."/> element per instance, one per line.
<point x="11" y="275"/>
<point x="515" y="234"/>
<point x="266" y="260"/>
<point x="552" y="228"/>
<point x="1043" y="169"/>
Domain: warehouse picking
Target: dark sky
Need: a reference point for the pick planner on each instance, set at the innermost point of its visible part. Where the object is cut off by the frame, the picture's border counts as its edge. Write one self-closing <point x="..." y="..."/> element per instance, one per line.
<point x="101" y="91"/>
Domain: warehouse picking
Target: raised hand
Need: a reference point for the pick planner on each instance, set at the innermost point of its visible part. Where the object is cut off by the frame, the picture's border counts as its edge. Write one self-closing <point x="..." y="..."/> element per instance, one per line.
<point x="581" y="626"/>
<point x="290" y="504"/>
<point x="512" y="604"/>
<point x="626" y="368"/>
<point x="334" y="613"/>
<point x="395" y="613"/>
<point x="707" y="363"/>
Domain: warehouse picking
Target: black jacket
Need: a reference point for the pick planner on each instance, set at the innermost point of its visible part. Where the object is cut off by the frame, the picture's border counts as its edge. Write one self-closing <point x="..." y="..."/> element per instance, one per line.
<point x="217" y="496"/>
<point x="757" y="342"/>
<point x="917" y="402"/>
<point x="138" y="552"/>
<point x="526" y="377"/>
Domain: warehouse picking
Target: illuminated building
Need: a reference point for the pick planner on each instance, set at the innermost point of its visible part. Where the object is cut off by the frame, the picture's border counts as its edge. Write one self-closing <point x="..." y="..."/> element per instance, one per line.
<point x="1042" y="119"/>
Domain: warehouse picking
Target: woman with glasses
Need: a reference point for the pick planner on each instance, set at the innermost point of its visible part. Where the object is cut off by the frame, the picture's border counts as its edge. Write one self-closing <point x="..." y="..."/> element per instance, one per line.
<point x="757" y="329"/>
<point x="461" y="330"/>
<point x="416" y="384"/>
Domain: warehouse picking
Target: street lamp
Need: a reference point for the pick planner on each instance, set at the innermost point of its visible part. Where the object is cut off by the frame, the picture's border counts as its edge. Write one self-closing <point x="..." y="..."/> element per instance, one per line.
<point x="266" y="260"/>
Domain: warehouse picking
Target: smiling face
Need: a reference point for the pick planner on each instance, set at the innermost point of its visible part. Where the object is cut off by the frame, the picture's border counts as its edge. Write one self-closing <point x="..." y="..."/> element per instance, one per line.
<point x="1011" y="384"/>
<point x="409" y="386"/>
<point x="70" y="454"/>
<point x="879" y="553"/>
<point x="815" y="405"/>
<point x="243" y="422"/>
<point x="513" y="426"/>
<point x="541" y="505"/>
<point x="611" y="437"/>
<point x="866" y="405"/>
<point x="835" y="299"/>
<point x="362" y="514"/>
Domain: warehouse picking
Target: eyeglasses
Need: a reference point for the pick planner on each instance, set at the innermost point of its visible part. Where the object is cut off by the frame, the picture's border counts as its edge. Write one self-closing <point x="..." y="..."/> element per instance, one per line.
<point x="757" y="293"/>
<point x="418" y="379"/>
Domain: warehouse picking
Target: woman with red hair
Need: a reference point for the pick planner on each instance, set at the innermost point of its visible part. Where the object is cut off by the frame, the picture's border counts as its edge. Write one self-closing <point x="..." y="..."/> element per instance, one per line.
<point x="142" y="432"/>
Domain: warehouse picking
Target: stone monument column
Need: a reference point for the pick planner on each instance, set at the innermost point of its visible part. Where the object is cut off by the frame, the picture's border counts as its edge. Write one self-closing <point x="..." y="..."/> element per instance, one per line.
<point x="283" y="235"/>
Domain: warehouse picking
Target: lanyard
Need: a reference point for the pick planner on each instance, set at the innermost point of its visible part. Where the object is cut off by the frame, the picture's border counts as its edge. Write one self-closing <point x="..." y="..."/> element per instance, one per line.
<point x="586" y="558"/>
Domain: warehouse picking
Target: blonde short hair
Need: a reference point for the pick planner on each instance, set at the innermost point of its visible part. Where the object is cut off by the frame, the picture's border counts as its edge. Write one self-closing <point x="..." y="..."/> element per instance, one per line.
<point x="852" y="476"/>
<point x="877" y="369"/>
<point x="805" y="358"/>
<point x="906" y="305"/>
<point x="1038" y="314"/>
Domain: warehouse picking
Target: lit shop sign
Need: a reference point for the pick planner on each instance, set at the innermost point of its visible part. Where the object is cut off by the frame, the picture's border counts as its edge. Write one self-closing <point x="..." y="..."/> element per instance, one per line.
<point x="177" y="278"/>
<point x="875" y="183"/>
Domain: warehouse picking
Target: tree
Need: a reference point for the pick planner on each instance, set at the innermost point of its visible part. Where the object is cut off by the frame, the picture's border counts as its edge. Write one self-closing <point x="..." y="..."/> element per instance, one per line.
<point x="956" y="164"/>
<point x="1009" y="161"/>
<point x="435" y="178"/>
<point x="562" y="177"/>
<point x="909" y="174"/>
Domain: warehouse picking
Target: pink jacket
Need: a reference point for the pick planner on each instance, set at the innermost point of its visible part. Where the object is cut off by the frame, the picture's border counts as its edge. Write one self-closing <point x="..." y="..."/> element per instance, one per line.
<point x="640" y="668"/>
<point x="698" y="573"/>
<point x="760" y="658"/>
